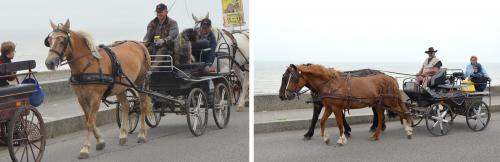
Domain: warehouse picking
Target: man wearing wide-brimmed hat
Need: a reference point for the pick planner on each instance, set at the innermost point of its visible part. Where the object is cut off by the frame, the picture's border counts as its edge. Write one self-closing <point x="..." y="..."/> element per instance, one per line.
<point x="430" y="67"/>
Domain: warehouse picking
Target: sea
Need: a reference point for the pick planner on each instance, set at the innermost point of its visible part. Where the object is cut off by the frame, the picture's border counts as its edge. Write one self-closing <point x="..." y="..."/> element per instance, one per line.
<point x="267" y="74"/>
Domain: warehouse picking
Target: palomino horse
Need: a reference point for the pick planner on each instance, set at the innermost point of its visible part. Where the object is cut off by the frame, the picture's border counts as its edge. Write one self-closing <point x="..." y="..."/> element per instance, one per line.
<point x="317" y="105"/>
<point x="237" y="43"/>
<point x="338" y="92"/>
<point x="86" y="63"/>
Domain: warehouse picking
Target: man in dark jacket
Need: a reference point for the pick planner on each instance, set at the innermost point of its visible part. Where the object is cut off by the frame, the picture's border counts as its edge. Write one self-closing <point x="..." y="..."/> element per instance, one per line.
<point x="8" y="50"/>
<point x="206" y="34"/>
<point x="162" y="31"/>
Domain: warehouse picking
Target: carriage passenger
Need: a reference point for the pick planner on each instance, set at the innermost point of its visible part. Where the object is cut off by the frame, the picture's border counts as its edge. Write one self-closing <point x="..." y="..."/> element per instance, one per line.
<point x="429" y="68"/>
<point x="162" y="31"/>
<point x="476" y="73"/>
<point x="205" y="38"/>
<point x="205" y="33"/>
<point x="8" y="50"/>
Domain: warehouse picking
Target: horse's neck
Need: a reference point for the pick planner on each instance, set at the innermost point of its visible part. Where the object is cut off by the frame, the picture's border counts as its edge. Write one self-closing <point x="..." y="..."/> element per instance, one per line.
<point x="326" y="86"/>
<point x="78" y="50"/>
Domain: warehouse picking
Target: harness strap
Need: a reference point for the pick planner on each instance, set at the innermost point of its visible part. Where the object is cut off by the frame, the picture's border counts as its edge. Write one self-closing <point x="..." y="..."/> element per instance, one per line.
<point x="91" y="78"/>
<point x="116" y="70"/>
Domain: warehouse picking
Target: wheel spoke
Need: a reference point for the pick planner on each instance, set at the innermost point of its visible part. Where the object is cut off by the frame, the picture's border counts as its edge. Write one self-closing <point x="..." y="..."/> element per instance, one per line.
<point x="195" y="122"/>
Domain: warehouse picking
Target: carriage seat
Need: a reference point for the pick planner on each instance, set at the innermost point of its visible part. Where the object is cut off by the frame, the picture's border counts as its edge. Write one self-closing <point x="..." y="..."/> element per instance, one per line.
<point x="200" y="44"/>
<point x="11" y="90"/>
<point x="195" y="69"/>
<point x="439" y="78"/>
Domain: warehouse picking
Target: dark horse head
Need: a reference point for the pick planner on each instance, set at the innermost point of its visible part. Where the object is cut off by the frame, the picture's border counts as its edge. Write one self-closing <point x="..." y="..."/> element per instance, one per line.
<point x="291" y="83"/>
<point x="189" y="34"/>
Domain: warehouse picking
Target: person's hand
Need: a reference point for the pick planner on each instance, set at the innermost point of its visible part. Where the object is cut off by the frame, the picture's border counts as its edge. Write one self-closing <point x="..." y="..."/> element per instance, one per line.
<point x="159" y="42"/>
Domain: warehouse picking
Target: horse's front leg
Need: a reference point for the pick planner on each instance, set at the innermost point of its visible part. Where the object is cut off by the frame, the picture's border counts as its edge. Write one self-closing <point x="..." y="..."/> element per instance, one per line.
<point x="317" y="110"/>
<point x="347" y="128"/>
<point x="95" y="104"/>
<point x="322" y="123"/>
<point x="85" y="151"/>
<point x="244" y="90"/>
<point x="338" y="117"/>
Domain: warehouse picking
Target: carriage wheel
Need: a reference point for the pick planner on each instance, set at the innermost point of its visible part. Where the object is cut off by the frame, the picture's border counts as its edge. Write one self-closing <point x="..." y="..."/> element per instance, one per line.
<point x="133" y="112"/>
<point x="153" y="119"/>
<point x="222" y="105"/>
<point x="197" y="111"/>
<point x="26" y="136"/>
<point x="478" y="116"/>
<point x="438" y="119"/>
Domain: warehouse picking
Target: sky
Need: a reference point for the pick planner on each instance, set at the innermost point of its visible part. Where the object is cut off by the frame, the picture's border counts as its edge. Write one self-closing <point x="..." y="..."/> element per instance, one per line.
<point x="375" y="31"/>
<point x="26" y="22"/>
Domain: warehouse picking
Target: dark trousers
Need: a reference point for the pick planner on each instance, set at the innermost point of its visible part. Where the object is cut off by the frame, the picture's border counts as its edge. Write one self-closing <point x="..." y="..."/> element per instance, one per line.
<point x="479" y="83"/>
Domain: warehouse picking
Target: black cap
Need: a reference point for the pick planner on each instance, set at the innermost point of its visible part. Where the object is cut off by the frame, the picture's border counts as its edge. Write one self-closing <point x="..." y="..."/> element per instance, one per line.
<point x="161" y="7"/>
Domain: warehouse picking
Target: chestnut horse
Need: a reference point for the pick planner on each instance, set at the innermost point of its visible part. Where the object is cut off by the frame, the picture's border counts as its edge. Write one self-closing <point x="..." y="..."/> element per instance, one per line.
<point x="317" y="105"/>
<point x="338" y="92"/>
<point x="83" y="57"/>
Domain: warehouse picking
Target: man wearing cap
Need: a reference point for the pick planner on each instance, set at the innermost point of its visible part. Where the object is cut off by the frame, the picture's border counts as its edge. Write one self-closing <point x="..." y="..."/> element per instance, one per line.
<point x="429" y="68"/>
<point x="161" y="32"/>
<point x="205" y="33"/>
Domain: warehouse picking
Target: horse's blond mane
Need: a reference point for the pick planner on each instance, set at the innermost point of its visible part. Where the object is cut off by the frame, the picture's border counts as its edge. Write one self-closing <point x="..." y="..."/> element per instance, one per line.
<point x="88" y="39"/>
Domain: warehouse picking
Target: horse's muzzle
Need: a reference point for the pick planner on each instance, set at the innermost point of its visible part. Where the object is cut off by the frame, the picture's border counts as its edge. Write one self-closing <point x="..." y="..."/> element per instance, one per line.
<point x="52" y="62"/>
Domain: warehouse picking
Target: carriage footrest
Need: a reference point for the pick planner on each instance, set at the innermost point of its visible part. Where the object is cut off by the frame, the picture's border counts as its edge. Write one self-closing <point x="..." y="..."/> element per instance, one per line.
<point x="162" y="96"/>
<point x="420" y="109"/>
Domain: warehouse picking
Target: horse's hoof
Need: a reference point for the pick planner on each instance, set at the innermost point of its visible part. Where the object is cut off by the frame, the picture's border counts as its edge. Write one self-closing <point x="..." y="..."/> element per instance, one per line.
<point x="100" y="146"/>
<point x="83" y="155"/>
<point x="347" y="134"/>
<point x="123" y="141"/>
<point x="408" y="136"/>
<point x="327" y="141"/>
<point x="141" y="140"/>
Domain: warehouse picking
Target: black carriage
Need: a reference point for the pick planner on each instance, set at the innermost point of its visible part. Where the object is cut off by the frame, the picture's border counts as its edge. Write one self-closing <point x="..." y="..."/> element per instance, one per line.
<point x="22" y="128"/>
<point x="184" y="90"/>
<point x="444" y="99"/>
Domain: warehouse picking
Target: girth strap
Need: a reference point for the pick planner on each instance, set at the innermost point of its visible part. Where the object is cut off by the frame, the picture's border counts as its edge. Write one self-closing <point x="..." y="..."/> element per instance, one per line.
<point x="91" y="78"/>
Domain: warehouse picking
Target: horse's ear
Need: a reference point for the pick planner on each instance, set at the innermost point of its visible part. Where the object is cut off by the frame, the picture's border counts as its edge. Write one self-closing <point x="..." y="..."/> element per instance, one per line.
<point x="52" y="25"/>
<point x="195" y="18"/>
<point x="206" y="17"/>
<point x="293" y="66"/>
<point x="66" y="26"/>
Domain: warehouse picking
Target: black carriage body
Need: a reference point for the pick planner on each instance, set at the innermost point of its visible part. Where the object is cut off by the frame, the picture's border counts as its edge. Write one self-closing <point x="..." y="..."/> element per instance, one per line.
<point x="443" y="88"/>
<point x="443" y="100"/>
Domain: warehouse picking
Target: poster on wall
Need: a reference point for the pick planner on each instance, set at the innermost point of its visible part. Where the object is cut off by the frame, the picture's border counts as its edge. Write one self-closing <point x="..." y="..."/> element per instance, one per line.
<point x="232" y="11"/>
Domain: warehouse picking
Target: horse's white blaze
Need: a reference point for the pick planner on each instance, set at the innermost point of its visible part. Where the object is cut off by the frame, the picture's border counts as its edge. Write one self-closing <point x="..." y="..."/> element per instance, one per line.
<point x="287" y="83"/>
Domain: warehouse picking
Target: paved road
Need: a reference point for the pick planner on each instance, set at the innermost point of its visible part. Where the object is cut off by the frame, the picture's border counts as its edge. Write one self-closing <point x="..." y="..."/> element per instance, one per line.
<point x="171" y="141"/>
<point x="461" y="144"/>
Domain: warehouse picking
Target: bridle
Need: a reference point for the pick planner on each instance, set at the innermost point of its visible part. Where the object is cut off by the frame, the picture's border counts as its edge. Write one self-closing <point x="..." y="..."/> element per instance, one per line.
<point x="294" y="77"/>
<point x="65" y="43"/>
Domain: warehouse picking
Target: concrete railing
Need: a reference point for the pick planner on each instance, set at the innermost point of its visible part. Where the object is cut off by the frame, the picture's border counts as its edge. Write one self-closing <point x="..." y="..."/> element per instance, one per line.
<point x="271" y="102"/>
